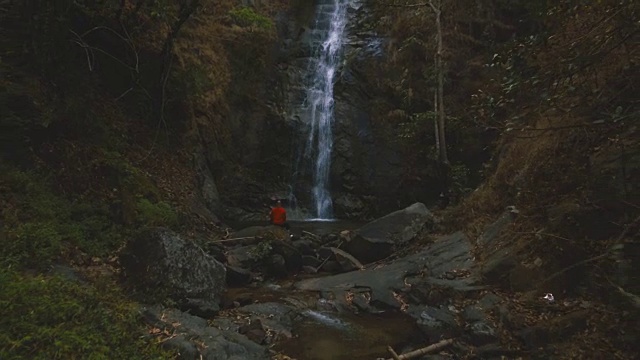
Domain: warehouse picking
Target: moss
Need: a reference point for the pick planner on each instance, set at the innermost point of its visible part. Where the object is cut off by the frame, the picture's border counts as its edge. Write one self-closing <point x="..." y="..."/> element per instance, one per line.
<point x="41" y="227"/>
<point x="247" y="17"/>
<point x="155" y="214"/>
<point x="52" y="318"/>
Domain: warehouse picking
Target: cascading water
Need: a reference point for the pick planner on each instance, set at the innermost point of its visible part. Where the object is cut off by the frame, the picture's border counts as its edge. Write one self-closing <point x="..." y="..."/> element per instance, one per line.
<point x="327" y="39"/>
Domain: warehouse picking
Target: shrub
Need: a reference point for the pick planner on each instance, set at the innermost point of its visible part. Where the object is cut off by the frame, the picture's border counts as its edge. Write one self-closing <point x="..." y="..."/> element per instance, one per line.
<point x="247" y="17"/>
<point x="53" y="318"/>
<point x="156" y="214"/>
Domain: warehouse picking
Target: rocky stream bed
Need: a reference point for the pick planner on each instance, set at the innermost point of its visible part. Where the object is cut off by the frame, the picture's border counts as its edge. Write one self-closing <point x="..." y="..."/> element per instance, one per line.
<point x="342" y="294"/>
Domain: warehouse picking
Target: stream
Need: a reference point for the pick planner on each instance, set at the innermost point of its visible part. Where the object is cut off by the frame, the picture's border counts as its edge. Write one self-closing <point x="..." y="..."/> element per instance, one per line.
<point x="284" y="300"/>
<point x="319" y="330"/>
<point x="319" y="333"/>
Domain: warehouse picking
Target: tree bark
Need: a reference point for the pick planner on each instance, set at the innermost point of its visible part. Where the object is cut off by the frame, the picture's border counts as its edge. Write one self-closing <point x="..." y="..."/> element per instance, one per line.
<point x="187" y="8"/>
<point x="442" y="152"/>
<point x="435" y="122"/>
<point x="425" y="350"/>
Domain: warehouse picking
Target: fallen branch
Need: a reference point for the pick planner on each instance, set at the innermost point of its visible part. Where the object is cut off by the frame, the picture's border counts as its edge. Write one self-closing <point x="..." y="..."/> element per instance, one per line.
<point x="393" y="353"/>
<point x="234" y="239"/>
<point x="310" y="233"/>
<point x="425" y="350"/>
<point x="328" y="257"/>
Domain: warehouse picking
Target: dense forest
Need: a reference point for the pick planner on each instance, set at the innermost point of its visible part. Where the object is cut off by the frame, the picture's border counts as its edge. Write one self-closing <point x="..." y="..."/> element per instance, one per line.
<point x="117" y="117"/>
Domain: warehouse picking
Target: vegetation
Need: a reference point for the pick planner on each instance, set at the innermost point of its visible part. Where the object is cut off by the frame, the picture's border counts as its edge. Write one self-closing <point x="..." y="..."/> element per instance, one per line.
<point x="543" y="90"/>
<point x="95" y="98"/>
<point x="104" y="104"/>
<point x="54" y="318"/>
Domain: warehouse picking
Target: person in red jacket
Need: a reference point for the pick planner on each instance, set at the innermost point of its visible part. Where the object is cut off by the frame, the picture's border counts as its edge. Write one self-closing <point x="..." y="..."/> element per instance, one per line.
<point x="279" y="215"/>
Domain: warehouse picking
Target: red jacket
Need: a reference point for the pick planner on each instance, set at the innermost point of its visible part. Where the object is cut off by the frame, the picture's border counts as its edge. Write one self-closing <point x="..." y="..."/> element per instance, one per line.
<point x="278" y="215"/>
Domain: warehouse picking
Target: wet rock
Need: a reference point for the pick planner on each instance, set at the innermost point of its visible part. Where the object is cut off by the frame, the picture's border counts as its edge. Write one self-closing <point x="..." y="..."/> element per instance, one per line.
<point x="159" y="264"/>
<point x="349" y="206"/>
<point x="480" y="333"/>
<point x="361" y="302"/>
<point x="376" y="240"/>
<point x="347" y="261"/>
<point x="407" y="274"/>
<point x="254" y="330"/>
<point x="197" y="339"/>
<point x="237" y="276"/>
<point x="200" y="307"/>
<point x="274" y="318"/>
<point x="435" y="323"/>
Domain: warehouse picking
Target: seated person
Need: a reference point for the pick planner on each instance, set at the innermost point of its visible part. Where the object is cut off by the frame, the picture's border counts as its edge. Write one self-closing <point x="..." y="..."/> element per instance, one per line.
<point x="278" y="215"/>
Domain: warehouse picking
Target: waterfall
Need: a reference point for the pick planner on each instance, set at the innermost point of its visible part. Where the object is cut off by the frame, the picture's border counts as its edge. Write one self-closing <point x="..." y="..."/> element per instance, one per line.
<point x="326" y="38"/>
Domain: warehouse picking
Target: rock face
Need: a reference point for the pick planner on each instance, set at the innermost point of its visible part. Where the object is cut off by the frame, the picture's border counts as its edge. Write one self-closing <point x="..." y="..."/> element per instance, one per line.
<point x="377" y="239"/>
<point x="370" y="171"/>
<point x="161" y="263"/>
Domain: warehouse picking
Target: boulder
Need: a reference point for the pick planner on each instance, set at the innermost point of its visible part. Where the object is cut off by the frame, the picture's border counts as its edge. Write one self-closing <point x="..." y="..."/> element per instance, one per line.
<point x="480" y="333"/>
<point x="449" y="254"/>
<point x="305" y="247"/>
<point x="276" y="265"/>
<point x="292" y="256"/>
<point x="377" y="239"/>
<point x="347" y="261"/>
<point x="237" y="276"/>
<point x="159" y="262"/>
<point x="435" y="323"/>
<point x="243" y="256"/>
<point x="197" y="340"/>
<point x="275" y="319"/>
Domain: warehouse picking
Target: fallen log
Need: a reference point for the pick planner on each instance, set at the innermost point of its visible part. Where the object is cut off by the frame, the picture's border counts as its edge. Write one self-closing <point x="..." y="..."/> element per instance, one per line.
<point x="425" y="350"/>
<point x="234" y="239"/>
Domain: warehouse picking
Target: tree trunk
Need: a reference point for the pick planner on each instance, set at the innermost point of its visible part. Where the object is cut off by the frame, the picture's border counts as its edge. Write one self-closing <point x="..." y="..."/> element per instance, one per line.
<point x="185" y="12"/>
<point x="442" y="153"/>
<point x="435" y="122"/>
